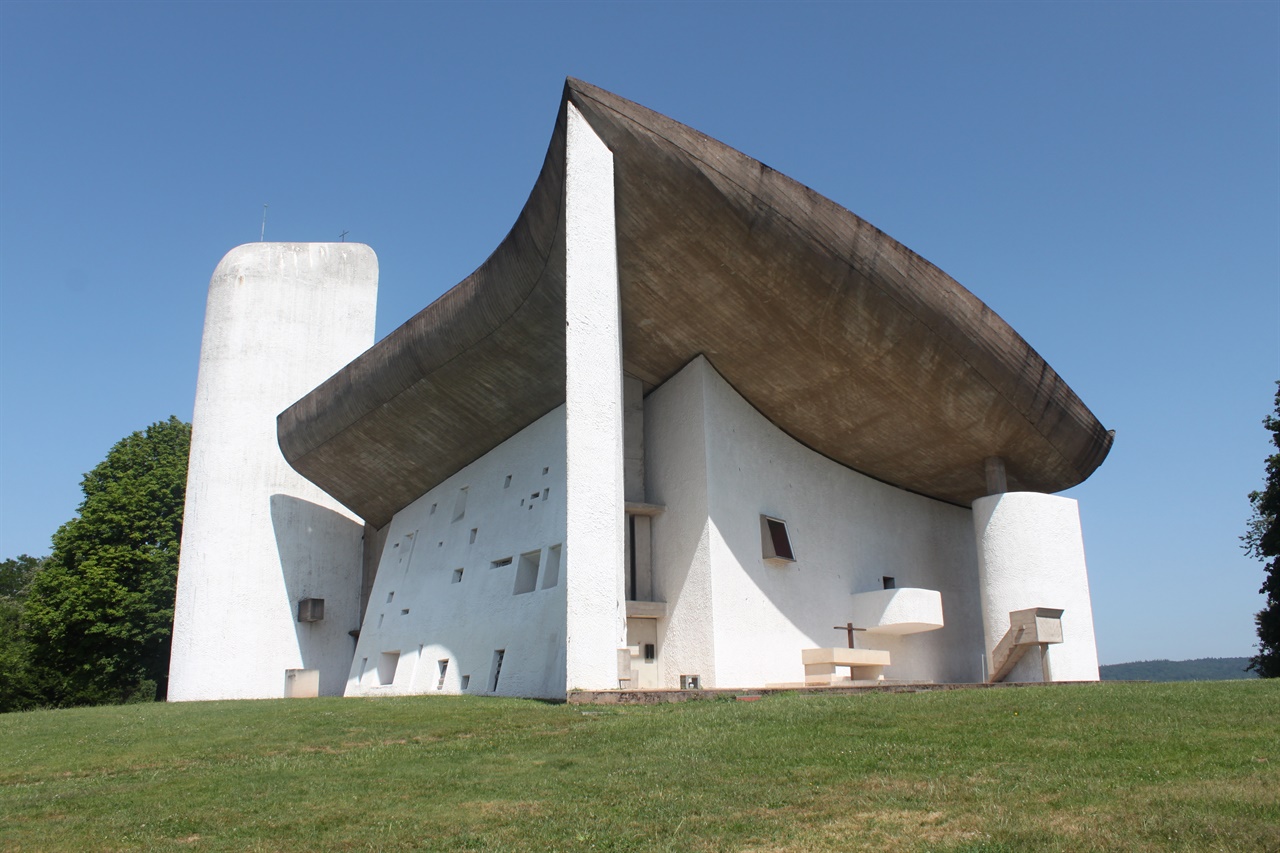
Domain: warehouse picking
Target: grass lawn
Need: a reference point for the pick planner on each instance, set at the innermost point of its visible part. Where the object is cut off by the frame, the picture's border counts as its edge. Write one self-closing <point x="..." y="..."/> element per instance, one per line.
<point x="1185" y="766"/>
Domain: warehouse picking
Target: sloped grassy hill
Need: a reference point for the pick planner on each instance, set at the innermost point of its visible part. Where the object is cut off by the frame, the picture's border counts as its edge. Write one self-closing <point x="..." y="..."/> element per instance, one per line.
<point x="1192" y="766"/>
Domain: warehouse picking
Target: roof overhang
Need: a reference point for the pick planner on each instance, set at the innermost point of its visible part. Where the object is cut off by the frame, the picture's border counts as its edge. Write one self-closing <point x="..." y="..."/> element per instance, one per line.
<point x="845" y="339"/>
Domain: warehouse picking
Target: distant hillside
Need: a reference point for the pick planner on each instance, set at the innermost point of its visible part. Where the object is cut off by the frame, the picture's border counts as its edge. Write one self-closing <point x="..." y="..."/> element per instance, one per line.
<point x="1200" y="669"/>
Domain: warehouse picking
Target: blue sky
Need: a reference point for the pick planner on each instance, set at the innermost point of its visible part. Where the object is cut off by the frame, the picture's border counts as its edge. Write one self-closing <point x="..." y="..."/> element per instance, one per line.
<point x="1105" y="176"/>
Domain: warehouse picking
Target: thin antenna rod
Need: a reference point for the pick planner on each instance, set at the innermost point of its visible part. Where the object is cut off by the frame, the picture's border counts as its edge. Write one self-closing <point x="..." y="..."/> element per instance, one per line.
<point x="263" y="235"/>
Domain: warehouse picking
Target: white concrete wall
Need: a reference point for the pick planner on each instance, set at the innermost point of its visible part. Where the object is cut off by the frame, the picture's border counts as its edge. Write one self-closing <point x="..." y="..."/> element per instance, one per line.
<point x="1031" y="554"/>
<point x="675" y="467"/>
<point x="707" y="446"/>
<point x="257" y="537"/>
<point x="418" y="611"/>
<point x="594" y="411"/>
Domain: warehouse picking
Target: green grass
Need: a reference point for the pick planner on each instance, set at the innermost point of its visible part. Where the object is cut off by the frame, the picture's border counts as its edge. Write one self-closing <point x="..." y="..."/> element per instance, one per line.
<point x="1190" y="766"/>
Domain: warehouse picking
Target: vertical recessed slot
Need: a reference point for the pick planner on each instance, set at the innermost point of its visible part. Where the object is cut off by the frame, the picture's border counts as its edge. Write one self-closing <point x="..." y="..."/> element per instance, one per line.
<point x="551" y="574"/>
<point x="544" y="471"/>
<point x="387" y="663"/>
<point x="390" y="596"/>
<point x="381" y="616"/>
<point x="507" y="483"/>
<point x="433" y="509"/>
<point x="457" y="576"/>
<point x="444" y="668"/>
<point x="460" y="505"/>
<point x="527" y="573"/>
<point x="474" y="531"/>
<point x="546" y="492"/>
<point x="466" y="682"/>
<point x="364" y="666"/>
<point x="498" y="655"/>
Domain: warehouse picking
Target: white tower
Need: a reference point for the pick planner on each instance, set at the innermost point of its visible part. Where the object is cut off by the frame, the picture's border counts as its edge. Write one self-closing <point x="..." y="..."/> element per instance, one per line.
<point x="257" y="537"/>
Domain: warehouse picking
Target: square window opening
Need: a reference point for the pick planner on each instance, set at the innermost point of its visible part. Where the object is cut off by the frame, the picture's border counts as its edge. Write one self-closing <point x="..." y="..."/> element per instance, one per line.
<point x="889" y="583"/>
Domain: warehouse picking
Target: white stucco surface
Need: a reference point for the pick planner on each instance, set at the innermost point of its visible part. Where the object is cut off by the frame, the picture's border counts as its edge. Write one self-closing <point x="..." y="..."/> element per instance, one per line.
<point x="257" y="537"/>
<point x="594" y="581"/>
<point x="1031" y="554"/>
<point x="718" y="465"/>
<point x="898" y="611"/>
<point x="482" y="521"/>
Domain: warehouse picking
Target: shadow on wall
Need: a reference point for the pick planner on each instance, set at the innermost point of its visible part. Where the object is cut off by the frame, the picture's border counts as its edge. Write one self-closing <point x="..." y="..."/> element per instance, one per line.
<point x="320" y="557"/>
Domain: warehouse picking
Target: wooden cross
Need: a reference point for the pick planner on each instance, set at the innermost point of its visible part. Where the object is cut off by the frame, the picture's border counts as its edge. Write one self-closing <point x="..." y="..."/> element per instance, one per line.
<point x="344" y="236"/>
<point x="850" y="629"/>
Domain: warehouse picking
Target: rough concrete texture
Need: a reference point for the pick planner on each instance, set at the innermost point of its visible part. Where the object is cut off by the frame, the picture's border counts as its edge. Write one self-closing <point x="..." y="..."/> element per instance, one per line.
<point x="594" y="584"/>
<point x="1031" y="554"/>
<point x="842" y="337"/>
<point x="257" y="536"/>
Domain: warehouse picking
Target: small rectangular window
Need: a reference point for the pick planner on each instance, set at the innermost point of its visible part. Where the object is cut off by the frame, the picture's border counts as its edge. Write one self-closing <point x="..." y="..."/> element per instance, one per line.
<point x="387" y="663"/>
<point x="460" y="505"/>
<point x="775" y="541"/>
<point x="457" y="576"/>
<point x="551" y="574"/>
<point x="466" y="682"/>
<point x="497" y="564"/>
<point x="507" y="483"/>
<point x="474" y="531"/>
<point x="889" y="583"/>
<point x="527" y="573"/>
<point x="649" y="653"/>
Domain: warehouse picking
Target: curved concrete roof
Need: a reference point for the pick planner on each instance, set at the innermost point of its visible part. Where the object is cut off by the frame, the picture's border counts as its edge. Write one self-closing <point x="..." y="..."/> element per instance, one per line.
<point x="838" y="334"/>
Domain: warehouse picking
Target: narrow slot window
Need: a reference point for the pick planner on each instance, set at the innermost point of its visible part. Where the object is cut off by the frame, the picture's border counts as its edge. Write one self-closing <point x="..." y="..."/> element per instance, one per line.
<point x="497" y="564"/>
<point x="364" y="667"/>
<point x="457" y="576"/>
<point x="775" y="540"/>
<point x="498" y="655"/>
<point x="544" y="471"/>
<point x="474" y="531"/>
<point x="507" y="483"/>
<point x="444" y="668"/>
<point x="466" y="682"/>
<point x="546" y="492"/>
<point x="527" y="573"/>
<point x="390" y="596"/>
<point x="433" y="509"/>
<point x="460" y="505"/>
<point x="551" y="574"/>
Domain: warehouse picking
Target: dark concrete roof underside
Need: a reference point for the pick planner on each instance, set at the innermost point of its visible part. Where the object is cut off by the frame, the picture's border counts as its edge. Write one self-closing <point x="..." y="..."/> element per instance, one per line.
<point x="841" y="336"/>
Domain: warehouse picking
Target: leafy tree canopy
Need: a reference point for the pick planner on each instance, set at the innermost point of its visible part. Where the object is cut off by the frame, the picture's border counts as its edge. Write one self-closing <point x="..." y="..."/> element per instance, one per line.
<point x="1262" y="540"/>
<point x="100" y="613"/>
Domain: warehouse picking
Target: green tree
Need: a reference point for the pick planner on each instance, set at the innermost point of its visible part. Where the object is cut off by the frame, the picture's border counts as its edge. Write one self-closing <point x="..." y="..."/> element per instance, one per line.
<point x="1262" y="540"/>
<point x="100" y="613"/>
<point x="16" y="692"/>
